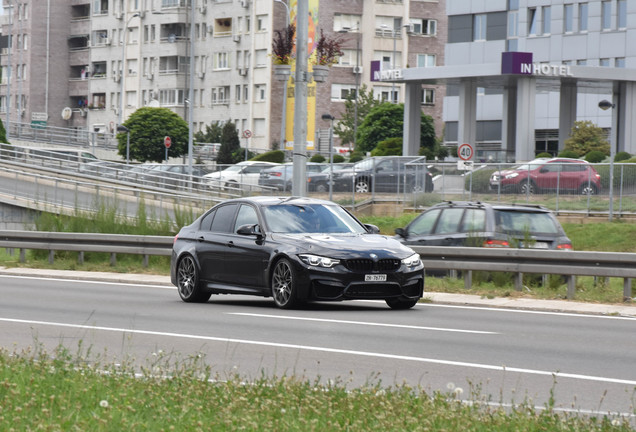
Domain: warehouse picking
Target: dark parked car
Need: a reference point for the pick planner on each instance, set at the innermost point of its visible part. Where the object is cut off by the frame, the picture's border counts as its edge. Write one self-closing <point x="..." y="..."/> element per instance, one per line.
<point x="386" y="174"/>
<point x="280" y="177"/>
<point x="542" y="175"/>
<point x="319" y="181"/>
<point x="489" y="225"/>
<point x="294" y="250"/>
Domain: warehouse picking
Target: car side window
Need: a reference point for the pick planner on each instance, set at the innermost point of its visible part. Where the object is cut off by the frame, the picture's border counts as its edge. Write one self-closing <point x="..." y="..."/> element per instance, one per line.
<point x="252" y="169"/>
<point x="246" y="216"/>
<point x="449" y="221"/>
<point x="206" y="222"/>
<point x="424" y="224"/>
<point x="224" y="219"/>
<point x="474" y="220"/>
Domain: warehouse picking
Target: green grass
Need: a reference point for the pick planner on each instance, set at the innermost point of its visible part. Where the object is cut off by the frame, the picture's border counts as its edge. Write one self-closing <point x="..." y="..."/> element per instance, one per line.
<point x="72" y="392"/>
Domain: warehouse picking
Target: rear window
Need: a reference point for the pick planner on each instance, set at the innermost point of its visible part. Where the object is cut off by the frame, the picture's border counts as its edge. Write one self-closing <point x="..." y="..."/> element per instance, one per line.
<point x="522" y="222"/>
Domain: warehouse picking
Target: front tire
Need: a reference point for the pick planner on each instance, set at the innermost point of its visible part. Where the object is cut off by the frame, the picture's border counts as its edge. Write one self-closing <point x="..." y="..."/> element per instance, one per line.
<point x="400" y="304"/>
<point x="586" y="189"/>
<point x="188" y="282"/>
<point x="362" y="186"/>
<point x="284" y="285"/>
<point x="528" y="187"/>
<point x="322" y="188"/>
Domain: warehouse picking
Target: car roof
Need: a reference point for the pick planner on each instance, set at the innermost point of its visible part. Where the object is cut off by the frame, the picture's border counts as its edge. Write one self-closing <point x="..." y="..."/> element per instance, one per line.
<point x="274" y="200"/>
<point x="495" y="206"/>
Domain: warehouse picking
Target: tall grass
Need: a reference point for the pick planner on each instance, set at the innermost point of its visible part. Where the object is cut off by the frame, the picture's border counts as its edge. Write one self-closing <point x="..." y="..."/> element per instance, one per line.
<point x="73" y="392"/>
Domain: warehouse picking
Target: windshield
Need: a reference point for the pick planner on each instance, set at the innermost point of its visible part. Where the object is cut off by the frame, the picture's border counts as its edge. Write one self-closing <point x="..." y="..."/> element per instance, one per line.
<point x="525" y="222"/>
<point x="312" y="218"/>
<point x="233" y="168"/>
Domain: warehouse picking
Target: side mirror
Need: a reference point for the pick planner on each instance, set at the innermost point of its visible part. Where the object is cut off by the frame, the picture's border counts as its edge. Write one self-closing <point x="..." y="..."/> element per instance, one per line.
<point x="401" y="232"/>
<point x="250" y="230"/>
<point x="372" y="229"/>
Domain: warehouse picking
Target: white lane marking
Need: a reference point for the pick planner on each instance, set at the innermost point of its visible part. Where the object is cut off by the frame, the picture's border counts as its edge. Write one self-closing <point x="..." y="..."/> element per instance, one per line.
<point x="361" y="323"/>
<point x="552" y="374"/>
<point x="97" y="282"/>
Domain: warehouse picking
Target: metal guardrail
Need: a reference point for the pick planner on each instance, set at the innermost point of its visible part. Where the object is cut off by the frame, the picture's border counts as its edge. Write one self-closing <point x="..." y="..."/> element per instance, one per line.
<point x="467" y="260"/>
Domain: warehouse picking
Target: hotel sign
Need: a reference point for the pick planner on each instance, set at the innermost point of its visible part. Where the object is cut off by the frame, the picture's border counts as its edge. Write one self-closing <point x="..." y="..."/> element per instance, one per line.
<point x="379" y="74"/>
<point x="520" y="63"/>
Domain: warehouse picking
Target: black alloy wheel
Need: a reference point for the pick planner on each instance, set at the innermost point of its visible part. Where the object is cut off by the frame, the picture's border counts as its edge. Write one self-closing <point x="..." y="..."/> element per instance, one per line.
<point x="188" y="282"/>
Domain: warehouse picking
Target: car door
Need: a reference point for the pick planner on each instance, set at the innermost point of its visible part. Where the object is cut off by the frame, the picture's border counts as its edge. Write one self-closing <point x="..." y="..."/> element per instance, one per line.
<point x="386" y="175"/>
<point x="211" y="242"/>
<point x="419" y="231"/>
<point x="246" y="256"/>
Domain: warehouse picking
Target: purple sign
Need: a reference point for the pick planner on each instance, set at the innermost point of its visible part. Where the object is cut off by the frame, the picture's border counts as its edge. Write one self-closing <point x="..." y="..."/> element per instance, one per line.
<point x="376" y="67"/>
<point x="516" y="63"/>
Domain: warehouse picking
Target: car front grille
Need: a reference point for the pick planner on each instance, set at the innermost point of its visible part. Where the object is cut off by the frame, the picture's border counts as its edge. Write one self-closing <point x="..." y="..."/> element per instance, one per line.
<point x="368" y="265"/>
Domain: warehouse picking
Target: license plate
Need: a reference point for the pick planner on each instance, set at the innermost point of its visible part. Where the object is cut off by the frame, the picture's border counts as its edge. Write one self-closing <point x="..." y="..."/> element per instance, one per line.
<point x="375" y="278"/>
<point x="536" y="245"/>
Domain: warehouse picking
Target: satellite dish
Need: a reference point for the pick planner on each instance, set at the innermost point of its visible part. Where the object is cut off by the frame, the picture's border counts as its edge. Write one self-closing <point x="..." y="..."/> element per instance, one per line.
<point x="67" y="113"/>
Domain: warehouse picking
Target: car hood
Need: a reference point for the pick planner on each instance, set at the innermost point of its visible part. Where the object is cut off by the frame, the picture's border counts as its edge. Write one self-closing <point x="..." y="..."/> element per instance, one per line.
<point x="346" y="245"/>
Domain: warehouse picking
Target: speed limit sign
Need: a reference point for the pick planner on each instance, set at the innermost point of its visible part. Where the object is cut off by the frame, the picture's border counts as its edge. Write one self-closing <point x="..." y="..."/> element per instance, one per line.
<point x="465" y="152"/>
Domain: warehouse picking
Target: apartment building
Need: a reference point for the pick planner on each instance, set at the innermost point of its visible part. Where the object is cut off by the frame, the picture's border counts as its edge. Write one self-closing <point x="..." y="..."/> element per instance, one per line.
<point x="89" y="64"/>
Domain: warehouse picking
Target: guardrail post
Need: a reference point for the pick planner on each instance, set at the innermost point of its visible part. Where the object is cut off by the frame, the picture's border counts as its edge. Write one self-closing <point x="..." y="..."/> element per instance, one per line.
<point x="51" y="256"/>
<point x="80" y="257"/>
<point x="571" y="286"/>
<point x="22" y="255"/>
<point x="518" y="280"/>
<point x="627" y="290"/>
<point x="113" y="259"/>
<point x="145" y="261"/>
<point x="468" y="279"/>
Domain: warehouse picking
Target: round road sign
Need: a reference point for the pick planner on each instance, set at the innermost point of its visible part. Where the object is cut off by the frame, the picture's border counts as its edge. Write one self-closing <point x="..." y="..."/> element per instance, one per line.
<point x="465" y="152"/>
<point x="247" y="133"/>
<point x="167" y="142"/>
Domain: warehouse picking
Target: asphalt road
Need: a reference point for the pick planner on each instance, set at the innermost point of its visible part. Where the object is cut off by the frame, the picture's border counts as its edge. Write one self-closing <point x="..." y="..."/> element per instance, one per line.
<point x="505" y="355"/>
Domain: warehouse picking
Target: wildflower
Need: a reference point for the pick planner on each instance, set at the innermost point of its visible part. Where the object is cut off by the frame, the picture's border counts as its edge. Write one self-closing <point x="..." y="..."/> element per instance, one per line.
<point x="458" y="391"/>
<point x="616" y="422"/>
<point x="380" y="392"/>
<point x="450" y="386"/>
<point x="103" y="403"/>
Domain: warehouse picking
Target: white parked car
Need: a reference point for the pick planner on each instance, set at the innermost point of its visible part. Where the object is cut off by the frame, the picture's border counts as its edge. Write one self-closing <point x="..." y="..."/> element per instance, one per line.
<point x="238" y="175"/>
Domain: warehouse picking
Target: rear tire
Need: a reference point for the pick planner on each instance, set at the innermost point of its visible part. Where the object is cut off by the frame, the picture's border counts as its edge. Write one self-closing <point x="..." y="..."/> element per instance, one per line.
<point x="362" y="186"/>
<point x="188" y="282"/>
<point x="523" y="188"/>
<point x="401" y="304"/>
<point x="321" y="187"/>
<point x="586" y="189"/>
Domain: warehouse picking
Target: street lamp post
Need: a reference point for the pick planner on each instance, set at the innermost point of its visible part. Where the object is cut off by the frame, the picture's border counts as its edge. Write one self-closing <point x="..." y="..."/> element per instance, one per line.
<point x="122" y="128"/>
<point x="331" y="119"/>
<point x="283" y="122"/>
<point x="605" y="105"/>
<point x="123" y="70"/>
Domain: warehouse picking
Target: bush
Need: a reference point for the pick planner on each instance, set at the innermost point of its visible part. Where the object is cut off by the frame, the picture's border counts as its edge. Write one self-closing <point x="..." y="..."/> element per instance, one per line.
<point x="317" y="158"/>
<point x="544" y="155"/>
<point x="355" y="157"/>
<point x="622" y="156"/>
<point x="338" y="158"/>
<point x="595" y="156"/>
<point x="569" y="154"/>
<point x="480" y="179"/>
<point x="276" y="156"/>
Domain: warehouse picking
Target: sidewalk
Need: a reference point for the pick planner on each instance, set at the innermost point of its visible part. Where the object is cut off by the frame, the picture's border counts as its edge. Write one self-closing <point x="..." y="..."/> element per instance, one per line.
<point x="566" y="306"/>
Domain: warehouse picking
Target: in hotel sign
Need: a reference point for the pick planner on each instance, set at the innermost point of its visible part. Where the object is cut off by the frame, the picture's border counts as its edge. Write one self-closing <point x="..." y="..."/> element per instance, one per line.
<point x="520" y="63"/>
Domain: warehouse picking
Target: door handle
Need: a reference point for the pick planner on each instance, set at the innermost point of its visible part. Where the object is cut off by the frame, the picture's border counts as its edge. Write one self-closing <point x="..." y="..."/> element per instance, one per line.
<point x="230" y="244"/>
<point x="201" y="239"/>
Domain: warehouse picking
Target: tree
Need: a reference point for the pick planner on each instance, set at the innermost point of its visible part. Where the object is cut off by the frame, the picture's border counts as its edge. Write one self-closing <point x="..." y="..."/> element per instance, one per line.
<point x="586" y="137"/>
<point x="229" y="152"/>
<point x="387" y="121"/>
<point x="3" y="134"/>
<point x="212" y="133"/>
<point x="148" y="127"/>
<point x="390" y="147"/>
<point x="344" y="128"/>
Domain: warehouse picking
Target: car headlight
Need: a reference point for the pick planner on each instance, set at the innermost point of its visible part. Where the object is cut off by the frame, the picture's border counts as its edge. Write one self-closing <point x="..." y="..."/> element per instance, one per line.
<point x="412" y="261"/>
<point x="513" y="175"/>
<point x="318" y="261"/>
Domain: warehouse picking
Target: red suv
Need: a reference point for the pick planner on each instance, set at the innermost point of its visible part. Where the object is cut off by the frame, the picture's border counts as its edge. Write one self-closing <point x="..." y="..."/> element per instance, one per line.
<point x="543" y="175"/>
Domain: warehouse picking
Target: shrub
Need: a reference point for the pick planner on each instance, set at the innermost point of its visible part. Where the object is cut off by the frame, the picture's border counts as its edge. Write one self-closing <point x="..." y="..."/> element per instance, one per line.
<point x="621" y="156"/>
<point x="317" y="158"/>
<point x="480" y="180"/>
<point x="338" y="158"/>
<point x="595" y="156"/>
<point x="277" y="156"/>
<point x="544" y="155"/>
<point x="356" y="156"/>
<point x="569" y="154"/>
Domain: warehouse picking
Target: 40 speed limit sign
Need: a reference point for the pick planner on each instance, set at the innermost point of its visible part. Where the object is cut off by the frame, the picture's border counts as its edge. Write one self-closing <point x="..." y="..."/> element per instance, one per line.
<point x="465" y="152"/>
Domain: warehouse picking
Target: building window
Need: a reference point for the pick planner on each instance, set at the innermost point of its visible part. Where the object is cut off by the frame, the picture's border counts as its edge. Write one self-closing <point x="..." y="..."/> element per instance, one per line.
<point x="221" y="95"/>
<point x="621" y="14"/>
<point x="260" y="94"/>
<point x="606" y="15"/>
<point x="384" y="94"/>
<point x="428" y="96"/>
<point x="604" y="62"/>
<point x="260" y="58"/>
<point x="245" y="93"/>
<point x="341" y="92"/>
<point x="171" y="97"/>
<point x="261" y="23"/>
<point x="259" y="127"/>
<point x="426" y="27"/>
<point x="568" y="18"/>
<point x="583" y="14"/>
<point x="221" y="60"/>
<point x="532" y="22"/>
<point x="386" y="57"/>
<point x="346" y="22"/>
<point x="237" y="91"/>
<point x="349" y="58"/>
<point x="479" y="27"/>
<point x="547" y="20"/>
<point x="426" y="60"/>
<point x="619" y="62"/>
